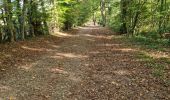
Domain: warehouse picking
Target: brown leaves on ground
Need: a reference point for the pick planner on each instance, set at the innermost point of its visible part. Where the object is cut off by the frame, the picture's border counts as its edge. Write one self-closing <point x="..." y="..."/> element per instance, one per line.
<point x="25" y="52"/>
<point x="85" y="64"/>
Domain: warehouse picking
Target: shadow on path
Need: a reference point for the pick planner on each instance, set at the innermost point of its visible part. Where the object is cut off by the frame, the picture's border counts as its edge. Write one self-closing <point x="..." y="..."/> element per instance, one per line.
<point x="85" y="64"/>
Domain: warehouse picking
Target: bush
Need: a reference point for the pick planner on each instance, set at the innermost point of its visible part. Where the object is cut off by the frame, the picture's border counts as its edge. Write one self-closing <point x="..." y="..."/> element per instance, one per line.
<point x="152" y="35"/>
<point x="150" y="42"/>
<point x="115" y="25"/>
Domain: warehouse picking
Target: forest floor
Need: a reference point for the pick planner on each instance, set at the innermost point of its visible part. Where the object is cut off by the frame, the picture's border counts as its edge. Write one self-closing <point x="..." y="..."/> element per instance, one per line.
<point x="87" y="63"/>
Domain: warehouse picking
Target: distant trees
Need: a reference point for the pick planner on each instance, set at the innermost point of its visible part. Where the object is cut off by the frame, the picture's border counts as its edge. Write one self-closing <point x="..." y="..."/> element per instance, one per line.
<point x="123" y="14"/>
<point x="21" y="19"/>
<point x="103" y="12"/>
<point x="141" y="16"/>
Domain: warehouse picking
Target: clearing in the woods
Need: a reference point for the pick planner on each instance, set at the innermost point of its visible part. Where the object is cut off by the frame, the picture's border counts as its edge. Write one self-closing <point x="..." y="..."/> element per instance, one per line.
<point x="87" y="63"/>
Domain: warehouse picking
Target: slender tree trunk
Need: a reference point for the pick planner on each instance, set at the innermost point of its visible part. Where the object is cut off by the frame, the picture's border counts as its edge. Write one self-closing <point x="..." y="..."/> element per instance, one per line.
<point x="1" y="34"/>
<point x="24" y="14"/>
<point x="123" y="7"/>
<point x="136" y="17"/>
<point x="94" y="19"/>
<point x="44" y="20"/>
<point x="160" y="30"/>
<point x="30" y="18"/>
<point x="8" y="10"/>
<point x="3" y="18"/>
<point x="19" y="17"/>
<point x="102" y="9"/>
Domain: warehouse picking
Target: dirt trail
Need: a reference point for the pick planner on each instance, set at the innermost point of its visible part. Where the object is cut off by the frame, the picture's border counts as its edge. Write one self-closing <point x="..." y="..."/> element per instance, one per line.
<point x="86" y="65"/>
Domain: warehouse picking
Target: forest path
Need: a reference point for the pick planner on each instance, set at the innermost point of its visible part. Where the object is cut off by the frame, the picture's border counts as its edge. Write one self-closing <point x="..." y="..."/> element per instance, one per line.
<point x="85" y="65"/>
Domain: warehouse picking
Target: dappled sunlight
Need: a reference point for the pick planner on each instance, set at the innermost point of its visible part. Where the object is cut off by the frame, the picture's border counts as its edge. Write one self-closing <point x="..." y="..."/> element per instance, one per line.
<point x="73" y="77"/>
<point x="28" y="66"/>
<point x="121" y="72"/>
<point x="98" y="36"/>
<point x="90" y="28"/>
<point x="4" y="55"/>
<point x="57" y="70"/>
<point x="4" y="88"/>
<point x="62" y="34"/>
<point x="70" y="55"/>
<point x="115" y="83"/>
<point x="56" y="57"/>
<point x="39" y="49"/>
<point x="54" y="46"/>
<point x="156" y="54"/>
<point x="32" y="49"/>
<point x="109" y="45"/>
<point x="125" y="49"/>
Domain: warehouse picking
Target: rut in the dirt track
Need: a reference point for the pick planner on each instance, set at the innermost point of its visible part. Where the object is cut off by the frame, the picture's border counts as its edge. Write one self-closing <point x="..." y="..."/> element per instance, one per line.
<point x="88" y="64"/>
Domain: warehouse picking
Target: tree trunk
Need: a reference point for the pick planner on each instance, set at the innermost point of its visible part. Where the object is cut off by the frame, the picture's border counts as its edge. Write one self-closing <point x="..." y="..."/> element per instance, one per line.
<point x="19" y="17"/>
<point x="24" y="14"/>
<point x="8" y="11"/>
<point x="30" y="18"/>
<point x="44" y="20"/>
<point x="160" y="30"/>
<point x="123" y="7"/>
<point x="94" y="19"/>
<point x="102" y="9"/>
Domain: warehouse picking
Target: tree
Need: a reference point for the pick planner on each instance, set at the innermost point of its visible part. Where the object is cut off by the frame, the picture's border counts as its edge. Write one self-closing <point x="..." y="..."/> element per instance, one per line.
<point x="8" y="14"/>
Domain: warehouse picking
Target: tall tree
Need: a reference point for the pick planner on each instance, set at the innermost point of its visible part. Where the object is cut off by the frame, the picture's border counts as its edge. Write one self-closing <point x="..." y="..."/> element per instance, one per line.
<point x="24" y="16"/>
<point x="103" y="12"/>
<point x="123" y="7"/>
<point x="8" y="13"/>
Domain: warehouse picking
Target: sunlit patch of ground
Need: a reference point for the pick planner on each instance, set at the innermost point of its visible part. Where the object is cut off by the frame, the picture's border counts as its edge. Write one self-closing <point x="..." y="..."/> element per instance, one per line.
<point x="62" y="34"/>
<point x="157" y="54"/>
<point x="122" y="72"/>
<point x="97" y="37"/>
<point x="57" y="70"/>
<point x="28" y="66"/>
<point x="70" y="55"/>
<point x="89" y="28"/>
<point x="125" y="49"/>
<point x="33" y="49"/>
<point x="40" y="49"/>
<point x="109" y="45"/>
<point x="4" y="88"/>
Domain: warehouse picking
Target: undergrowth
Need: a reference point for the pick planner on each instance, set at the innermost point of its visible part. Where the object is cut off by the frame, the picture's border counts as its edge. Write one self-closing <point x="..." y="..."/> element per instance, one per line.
<point x="150" y="43"/>
<point x="158" y="65"/>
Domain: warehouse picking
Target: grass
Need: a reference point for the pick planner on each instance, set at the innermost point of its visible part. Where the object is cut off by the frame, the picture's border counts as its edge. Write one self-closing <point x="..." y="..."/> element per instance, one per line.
<point x="157" y="67"/>
<point x="147" y="46"/>
<point x="149" y="43"/>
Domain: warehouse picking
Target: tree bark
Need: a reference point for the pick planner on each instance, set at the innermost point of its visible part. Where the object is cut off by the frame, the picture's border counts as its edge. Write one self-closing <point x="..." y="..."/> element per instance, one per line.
<point x="44" y="20"/>
<point x="123" y="7"/>
<point x="8" y="11"/>
<point x="103" y="14"/>
<point x="24" y="14"/>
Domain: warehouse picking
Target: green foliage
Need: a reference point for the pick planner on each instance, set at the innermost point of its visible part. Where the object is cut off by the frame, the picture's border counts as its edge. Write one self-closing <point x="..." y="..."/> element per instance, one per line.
<point x="70" y="13"/>
<point x="150" y="42"/>
<point x="138" y="16"/>
<point x="154" y="63"/>
<point x="29" y="18"/>
<point x="148" y="18"/>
